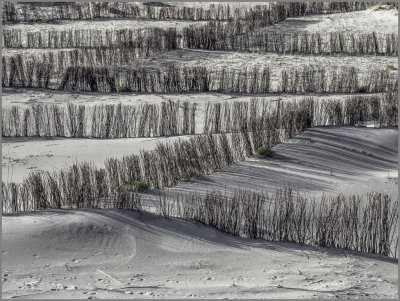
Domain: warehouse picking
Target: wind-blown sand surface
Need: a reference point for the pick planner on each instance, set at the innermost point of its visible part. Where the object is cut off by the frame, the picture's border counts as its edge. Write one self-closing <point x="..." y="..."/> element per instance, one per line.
<point x="111" y="254"/>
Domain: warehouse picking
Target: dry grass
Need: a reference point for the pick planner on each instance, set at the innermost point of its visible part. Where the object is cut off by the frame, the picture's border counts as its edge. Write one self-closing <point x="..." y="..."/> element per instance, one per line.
<point x="32" y="72"/>
<point x="293" y="43"/>
<point x="259" y="115"/>
<point x="362" y="223"/>
<point x="99" y="121"/>
<point x="220" y="12"/>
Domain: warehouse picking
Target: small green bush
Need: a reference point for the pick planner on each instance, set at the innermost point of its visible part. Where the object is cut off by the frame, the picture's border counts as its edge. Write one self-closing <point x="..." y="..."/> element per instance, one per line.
<point x="187" y="175"/>
<point x="137" y="185"/>
<point x="389" y="67"/>
<point x="264" y="152"/>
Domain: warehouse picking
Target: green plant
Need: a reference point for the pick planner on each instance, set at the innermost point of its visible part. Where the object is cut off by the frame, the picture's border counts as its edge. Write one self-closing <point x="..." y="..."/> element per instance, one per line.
<point x="187" y="175"/>
<point x="136" y="185"/>
<point x="389" y="67"/>
<point x="264" y="152"/>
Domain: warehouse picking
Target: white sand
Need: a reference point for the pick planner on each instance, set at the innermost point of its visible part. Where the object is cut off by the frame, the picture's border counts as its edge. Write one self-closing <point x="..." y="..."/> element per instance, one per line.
<point x="109" y="254"/>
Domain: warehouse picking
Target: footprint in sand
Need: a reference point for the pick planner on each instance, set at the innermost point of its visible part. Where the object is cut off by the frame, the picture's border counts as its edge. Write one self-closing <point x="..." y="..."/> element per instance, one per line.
<point x="89" y="293"/>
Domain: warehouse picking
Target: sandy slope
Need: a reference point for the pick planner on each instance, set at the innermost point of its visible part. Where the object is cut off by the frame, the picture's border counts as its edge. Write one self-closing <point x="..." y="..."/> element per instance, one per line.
<point x="365" y="21"/>
<point x="109" y="254"/>
<point x="321" y="160"/>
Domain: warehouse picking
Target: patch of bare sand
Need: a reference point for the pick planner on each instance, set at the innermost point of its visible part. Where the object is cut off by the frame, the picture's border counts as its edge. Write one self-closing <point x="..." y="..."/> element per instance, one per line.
<point x="120" y="254"/>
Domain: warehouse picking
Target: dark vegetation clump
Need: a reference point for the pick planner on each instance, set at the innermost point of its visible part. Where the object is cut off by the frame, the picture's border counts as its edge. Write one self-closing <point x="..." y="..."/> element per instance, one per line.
<point x="264" y="152"/>
<point x="187" y="175"/>
<point x="136" y="185"/>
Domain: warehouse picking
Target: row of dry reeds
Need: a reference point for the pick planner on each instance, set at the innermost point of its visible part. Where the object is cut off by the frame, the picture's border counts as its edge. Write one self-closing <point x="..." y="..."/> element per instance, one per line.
<point x="169" y="119"/>
<point x="82" y="11"/>
<point x="27" y="72"/>
<point x="145" y="39"/>
<point x="211" y="37"/>
<point x="99" y="121"/>
<point x="356" y="222"/>
<point x="281" y="123"/>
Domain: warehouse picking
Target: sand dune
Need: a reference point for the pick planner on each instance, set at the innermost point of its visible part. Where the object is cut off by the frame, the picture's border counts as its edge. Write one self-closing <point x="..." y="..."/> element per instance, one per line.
<point x="111" y="254"/>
